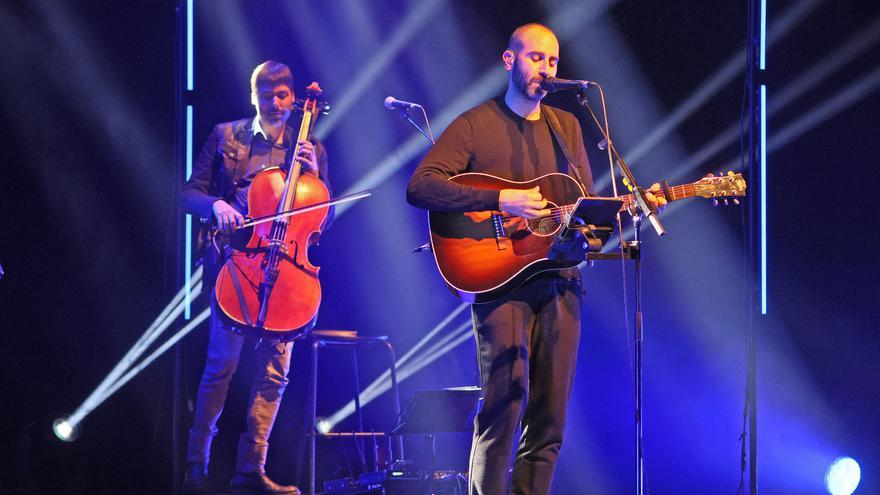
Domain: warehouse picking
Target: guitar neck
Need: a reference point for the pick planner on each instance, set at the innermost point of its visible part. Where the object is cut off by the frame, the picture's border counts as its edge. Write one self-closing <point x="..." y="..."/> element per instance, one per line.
<point x="673" y="193"/>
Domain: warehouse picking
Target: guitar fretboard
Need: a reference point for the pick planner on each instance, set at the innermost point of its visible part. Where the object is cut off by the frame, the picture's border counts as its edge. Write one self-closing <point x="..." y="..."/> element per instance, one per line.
<point x="673" y="193"/>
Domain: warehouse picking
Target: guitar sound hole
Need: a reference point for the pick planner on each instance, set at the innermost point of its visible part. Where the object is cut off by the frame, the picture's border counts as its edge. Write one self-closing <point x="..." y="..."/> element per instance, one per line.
<point x="545" y="226"/>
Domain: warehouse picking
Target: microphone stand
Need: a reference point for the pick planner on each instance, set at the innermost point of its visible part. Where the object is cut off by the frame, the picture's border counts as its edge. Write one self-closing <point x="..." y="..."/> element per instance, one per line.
<point x="428" y="135"/>
<point x="634" y="248"/>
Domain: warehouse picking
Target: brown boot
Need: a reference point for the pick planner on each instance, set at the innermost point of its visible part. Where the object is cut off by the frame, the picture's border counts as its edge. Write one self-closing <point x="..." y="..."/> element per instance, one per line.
<point x="195" y="481"/>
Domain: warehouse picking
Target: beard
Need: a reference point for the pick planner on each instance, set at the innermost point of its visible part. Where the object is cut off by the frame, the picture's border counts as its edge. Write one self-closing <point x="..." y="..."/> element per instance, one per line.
<point x="522" y="84"/>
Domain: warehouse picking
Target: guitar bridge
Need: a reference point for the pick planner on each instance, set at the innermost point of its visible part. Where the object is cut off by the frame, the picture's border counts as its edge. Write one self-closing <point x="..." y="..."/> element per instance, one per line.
<point x="500" y="234"/>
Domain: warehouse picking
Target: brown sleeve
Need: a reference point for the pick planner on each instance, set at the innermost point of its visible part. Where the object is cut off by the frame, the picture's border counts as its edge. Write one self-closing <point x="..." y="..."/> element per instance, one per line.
<point x="429" y="187"/>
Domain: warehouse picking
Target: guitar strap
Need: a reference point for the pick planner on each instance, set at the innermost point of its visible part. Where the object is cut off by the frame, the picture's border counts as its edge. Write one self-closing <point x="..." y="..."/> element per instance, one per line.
<point x="556" y="129"/>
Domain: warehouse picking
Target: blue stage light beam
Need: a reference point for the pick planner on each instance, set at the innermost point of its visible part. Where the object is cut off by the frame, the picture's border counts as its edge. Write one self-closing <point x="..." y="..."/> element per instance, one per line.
<point x="134" y="371"/>
<point x="830" y="63"/>
<point x="455" y="338"/>
<point x="728" y="71"/>
<point x="846" y="97"/>
<point x="110" y="382"/>
<point x="386" y="375"/>
<point x="235" y="39"/>
<point x="849" y="95"/>
<point x="87" y="69"/>
<point x="488" y="84"/>
<point x="785" y="135"/>
<point x="66" y="428"/>
<point x="377" y="66"/>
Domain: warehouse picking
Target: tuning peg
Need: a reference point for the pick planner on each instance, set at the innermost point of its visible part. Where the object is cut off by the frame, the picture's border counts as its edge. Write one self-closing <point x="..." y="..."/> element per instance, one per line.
<point x="725" y="202"/>
<point x="735" y="201"/>
<point x="714" y="202"/>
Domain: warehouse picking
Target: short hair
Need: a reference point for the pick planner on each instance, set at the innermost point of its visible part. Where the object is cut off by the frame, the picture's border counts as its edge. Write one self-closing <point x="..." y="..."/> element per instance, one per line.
<point x="271" y="73"/>
<point x="514" y="42"/>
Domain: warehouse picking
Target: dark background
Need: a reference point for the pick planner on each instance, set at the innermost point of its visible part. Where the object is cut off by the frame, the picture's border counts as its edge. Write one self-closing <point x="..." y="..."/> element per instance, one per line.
<point x="91" y="231"/>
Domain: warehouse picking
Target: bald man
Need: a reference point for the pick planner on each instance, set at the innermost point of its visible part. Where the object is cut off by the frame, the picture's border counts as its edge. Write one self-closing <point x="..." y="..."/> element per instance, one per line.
<point x="527" y="340"/>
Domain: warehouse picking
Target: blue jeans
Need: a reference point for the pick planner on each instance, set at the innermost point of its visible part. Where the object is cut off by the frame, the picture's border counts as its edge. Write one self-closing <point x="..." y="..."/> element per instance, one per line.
<point x="224" y="349"/>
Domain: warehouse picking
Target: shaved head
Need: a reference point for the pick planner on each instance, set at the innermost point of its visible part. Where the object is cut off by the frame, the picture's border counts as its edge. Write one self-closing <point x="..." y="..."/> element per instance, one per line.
<point x="520" y="34"/>
<point x="531" y="55"/>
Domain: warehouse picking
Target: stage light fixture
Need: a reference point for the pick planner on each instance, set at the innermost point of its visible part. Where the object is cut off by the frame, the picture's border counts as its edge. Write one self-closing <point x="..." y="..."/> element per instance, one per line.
<point x="64" y="430"/>
<point x="842" y="476"/>
<point x="323" y="426"/>
<point x="126" y="369"/>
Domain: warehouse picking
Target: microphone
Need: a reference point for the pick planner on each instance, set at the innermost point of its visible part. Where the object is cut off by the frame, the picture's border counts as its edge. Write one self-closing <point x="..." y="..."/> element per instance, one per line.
<point x="551" y="84"/>
<point x="391" y="103"/>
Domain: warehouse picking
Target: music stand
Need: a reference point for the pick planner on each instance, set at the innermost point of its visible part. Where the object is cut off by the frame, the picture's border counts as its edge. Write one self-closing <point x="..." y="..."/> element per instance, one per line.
<point x="439" y="411"/>
<point x="585" y="229"/>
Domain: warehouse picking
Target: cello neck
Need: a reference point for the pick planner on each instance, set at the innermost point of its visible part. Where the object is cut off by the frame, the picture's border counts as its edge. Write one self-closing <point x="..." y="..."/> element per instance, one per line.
<point x="308" y="121"/>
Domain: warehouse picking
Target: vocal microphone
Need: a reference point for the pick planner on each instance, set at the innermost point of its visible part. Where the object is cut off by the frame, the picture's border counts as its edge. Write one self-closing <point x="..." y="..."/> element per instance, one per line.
<point x="551" y="84"/>
<point x="391" y="103"/>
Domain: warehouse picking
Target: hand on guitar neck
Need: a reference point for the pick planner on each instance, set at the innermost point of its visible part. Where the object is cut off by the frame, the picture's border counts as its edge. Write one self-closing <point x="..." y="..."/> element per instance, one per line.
<point x="655" y="201"/>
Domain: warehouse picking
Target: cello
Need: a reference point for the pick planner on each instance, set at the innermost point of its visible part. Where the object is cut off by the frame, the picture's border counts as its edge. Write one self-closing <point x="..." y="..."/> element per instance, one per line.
<point x="270" y="285"/>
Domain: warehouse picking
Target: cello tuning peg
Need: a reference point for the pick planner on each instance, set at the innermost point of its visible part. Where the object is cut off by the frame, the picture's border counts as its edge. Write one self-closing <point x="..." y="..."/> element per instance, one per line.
<point x="725" y="202"/>
<point x="735" y="201"/>
<point x="714" y="202"/>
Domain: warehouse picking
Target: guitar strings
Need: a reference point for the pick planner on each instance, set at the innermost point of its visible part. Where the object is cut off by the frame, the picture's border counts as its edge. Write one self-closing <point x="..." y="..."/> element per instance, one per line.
<point x="557" y="213"/>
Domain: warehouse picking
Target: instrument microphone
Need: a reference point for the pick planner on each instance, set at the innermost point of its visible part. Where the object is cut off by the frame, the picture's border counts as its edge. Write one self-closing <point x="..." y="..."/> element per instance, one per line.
<point x="392" y="103"/>
<point x="551" y="84"/>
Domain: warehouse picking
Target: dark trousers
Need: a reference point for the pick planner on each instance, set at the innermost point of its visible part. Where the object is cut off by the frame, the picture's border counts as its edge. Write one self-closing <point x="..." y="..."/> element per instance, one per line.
<point x="527" y="349"/>
<point x="224" y="350"/>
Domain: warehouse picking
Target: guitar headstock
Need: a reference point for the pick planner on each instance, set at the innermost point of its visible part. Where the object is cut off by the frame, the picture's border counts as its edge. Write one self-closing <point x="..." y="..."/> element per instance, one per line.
<point x="721" y="187"/>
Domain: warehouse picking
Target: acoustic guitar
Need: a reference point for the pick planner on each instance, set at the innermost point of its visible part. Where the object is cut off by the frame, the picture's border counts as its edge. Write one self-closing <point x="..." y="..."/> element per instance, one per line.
<point x="483" y="255"/>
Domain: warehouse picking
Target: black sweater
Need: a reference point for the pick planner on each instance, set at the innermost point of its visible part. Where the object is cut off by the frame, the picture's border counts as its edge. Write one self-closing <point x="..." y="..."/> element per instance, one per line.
<point x="492" y="139"/>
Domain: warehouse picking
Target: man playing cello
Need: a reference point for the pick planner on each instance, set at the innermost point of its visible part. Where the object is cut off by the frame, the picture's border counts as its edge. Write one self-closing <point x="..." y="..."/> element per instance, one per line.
<point x="230" y="160"/>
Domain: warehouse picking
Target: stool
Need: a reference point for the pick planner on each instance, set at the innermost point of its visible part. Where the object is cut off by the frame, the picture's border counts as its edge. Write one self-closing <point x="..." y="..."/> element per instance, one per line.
<point x="343" y="339"/>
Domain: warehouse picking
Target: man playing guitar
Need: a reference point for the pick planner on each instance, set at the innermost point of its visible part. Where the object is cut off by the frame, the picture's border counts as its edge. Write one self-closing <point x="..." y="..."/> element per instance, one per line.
<point x="527" y="339"/>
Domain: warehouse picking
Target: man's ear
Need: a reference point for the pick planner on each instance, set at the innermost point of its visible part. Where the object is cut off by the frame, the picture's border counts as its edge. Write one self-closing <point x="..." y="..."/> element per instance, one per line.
<point x="253" y="99"/>
<point x="507" y="57"/>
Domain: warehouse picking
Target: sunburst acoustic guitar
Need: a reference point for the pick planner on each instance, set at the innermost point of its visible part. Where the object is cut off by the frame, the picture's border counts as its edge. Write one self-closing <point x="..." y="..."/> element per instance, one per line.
<point x="483" y="255"/>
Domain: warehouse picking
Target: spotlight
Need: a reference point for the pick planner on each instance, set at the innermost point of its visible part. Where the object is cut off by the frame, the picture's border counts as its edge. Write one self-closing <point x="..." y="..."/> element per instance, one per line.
<point x="324" y="426"/>
<point x="843" y="476"/>
<point x="64" y="430"/>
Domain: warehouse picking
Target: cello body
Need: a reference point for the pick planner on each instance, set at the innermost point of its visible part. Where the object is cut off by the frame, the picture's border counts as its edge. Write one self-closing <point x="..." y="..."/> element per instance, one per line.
<point x="270" y="285"/>
<point x="296" y="295"/>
